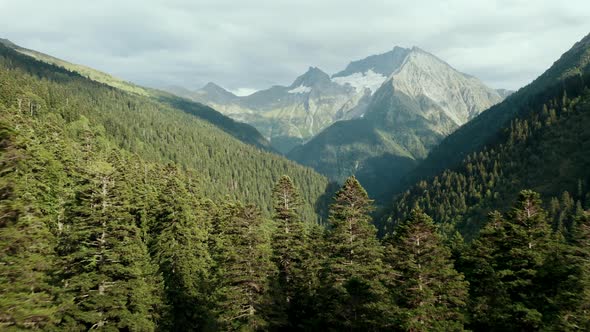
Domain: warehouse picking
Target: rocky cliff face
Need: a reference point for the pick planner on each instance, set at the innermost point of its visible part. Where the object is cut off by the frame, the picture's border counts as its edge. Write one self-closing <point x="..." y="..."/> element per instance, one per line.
<point x="429" y="88"/>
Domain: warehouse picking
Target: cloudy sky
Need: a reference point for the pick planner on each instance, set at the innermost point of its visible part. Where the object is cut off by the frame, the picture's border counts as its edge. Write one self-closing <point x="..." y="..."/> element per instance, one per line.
<point x="253" y="44"/>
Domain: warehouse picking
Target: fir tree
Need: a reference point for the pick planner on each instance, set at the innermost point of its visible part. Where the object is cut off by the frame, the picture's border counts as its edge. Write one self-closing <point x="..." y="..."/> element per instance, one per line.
<point x="352" y="292"/>
<point x="572" y="290"/>
<point x="181" y="251"/>
<point x="290" y="249"/>
<point x="430" y="293"/>
<point x="29" y="177"/>
<point x="504" y="267"/>
<point x="104" y="260"/>
<point x="243" y="269"/>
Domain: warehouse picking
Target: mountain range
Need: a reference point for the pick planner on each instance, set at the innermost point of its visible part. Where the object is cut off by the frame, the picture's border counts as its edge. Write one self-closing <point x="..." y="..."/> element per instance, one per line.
<point x="289" y="116"/>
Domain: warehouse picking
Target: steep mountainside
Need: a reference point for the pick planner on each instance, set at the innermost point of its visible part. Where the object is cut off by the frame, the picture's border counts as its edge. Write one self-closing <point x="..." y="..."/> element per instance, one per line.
<point x="476" y="133"/>
<point x="241" y="131"/>
<point x="536" y="139"/>
<point x="160" y="131"/>
<point x="420" y="103"/>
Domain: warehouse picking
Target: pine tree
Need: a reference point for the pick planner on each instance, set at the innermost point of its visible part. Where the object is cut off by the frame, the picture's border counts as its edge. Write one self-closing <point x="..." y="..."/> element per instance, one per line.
<point x="243" y="269"/>
<point x="104" y="259"/>
<point x="353" y="292"/>
<point x="487" y="295"/>
<point x="430" y="293"/>
<point x="291" y="251"/>
<point x="571" y="303"/>
<point x="504" y="267"/>
<point x="181" y="250"/>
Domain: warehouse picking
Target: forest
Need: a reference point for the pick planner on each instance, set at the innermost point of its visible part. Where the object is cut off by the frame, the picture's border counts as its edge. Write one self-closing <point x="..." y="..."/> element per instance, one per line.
<point x="123" y="212"/>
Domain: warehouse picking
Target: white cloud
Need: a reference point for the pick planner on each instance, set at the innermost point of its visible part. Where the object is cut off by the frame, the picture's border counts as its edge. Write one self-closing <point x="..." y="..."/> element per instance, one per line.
<point x="258" y="43"/>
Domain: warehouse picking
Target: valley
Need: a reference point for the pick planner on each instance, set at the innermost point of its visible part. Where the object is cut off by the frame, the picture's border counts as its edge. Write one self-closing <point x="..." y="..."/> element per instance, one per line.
<point x="397" y="194"/>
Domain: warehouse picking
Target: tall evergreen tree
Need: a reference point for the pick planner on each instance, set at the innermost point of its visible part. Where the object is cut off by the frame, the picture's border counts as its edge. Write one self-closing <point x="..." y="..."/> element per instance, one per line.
<point x="290" y="250"/>
<point x="104" y="260"/>
<point x="352" y="292"/>
<point x="181" y="250"/>
<point x="243" y="269"/>
<point x="430" y="293"/>
<point x="504" y="267"/>
<point x="571" y="289"/>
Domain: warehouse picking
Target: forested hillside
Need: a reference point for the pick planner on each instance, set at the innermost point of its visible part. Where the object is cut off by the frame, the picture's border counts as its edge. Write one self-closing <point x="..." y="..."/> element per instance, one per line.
<point x="241" y="131"/>
<point x="545" y="148"/>
<point x="156" y="131"/>
<point x="93" y="237"/>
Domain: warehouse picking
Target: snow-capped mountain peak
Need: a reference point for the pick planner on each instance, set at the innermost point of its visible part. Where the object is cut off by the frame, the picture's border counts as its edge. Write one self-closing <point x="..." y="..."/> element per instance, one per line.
<point x="361" y="81"/>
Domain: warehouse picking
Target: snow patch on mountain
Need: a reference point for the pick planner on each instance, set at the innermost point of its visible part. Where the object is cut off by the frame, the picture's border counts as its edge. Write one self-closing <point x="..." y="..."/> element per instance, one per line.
<point x="300" y="89"/>
<point x="362" y="81"/>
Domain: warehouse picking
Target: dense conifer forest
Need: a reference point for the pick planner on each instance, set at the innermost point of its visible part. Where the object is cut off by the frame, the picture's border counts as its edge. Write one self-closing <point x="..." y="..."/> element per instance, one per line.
<point x="123" y="212"/>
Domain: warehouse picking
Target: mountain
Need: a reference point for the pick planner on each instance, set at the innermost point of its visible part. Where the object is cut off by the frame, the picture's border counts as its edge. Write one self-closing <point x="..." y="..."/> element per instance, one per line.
<point x="215" y="94"/>
<point x="291" y="115"/>
<point x="536" y="139"/>
<point x="241" y="131"/>
<point x="160" y="128"/>
<point x="423" y="100"/>
<point x="478" y="132"/>
<point x="381" y="65"/>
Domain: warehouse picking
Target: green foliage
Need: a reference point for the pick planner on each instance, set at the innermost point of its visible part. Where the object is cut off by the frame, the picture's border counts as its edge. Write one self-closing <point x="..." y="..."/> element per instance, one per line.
<point x="180" y="247"/>
<point x="103" y="259"/>
<point x="352" y="293"/>
<point x="291" y="251"/>
<point x="504" y="268"/>
<point x="29" y="180"/>
<point x="243" y="269"/>
<point x="430" y="293"/>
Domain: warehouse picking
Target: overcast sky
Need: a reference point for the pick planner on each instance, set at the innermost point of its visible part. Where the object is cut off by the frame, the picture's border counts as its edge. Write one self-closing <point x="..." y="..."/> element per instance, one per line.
<point x="253" y="44"/>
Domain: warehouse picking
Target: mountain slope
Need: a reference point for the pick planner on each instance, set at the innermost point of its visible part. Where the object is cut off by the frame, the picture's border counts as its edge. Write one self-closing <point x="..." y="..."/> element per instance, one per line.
<point x="539" y="140"/>
<point x="421" y="102"/>
<point x="155" y="130"/>
<point x="478" y="132"/>
<point x="241" y="131"/>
